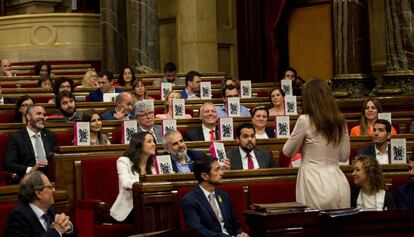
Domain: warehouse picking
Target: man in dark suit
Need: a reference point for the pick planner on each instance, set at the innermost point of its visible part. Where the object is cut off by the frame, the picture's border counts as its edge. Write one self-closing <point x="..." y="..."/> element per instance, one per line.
<point x="207" y="209"/>
<point x="28" y="147"/>
<point x="123" y="108"/>
<point x="34" y="215"/>
<point x="105" y="86"/>
<point x="246" y="156"/>
<point x="404" y="198"/>
<point x="181" y="158"/>
<point x="192" y="85"/>
<point x="144" y="113"/>
<point x="208" y="130"/>
<point x="380" y="149"/>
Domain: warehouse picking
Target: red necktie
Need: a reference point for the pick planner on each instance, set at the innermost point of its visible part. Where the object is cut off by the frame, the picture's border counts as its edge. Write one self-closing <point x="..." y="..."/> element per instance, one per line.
<point x="250" y="164"/>
<point x="212" y="136"/>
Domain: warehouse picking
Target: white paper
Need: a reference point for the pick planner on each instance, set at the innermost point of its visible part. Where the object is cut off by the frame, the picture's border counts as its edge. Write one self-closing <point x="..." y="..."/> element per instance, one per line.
<point x="282" y="126"/>
<point x="291" y="107"/>
<point x="386" y="116"/>
<point x="168" y="125"/>
<point x="226" y="129"/>
<point x="82" y="134"/>
<point x="217" y="150"/>
<point x="233" y="106"/>
<point x="110" y="97"/>
<point x="166" y="87"/>
<point x="129" y="127"/>
<point x="287" y="87"/>
<point x="205" y="90"/>
<point x="398" y="151"/>
<point x="163" y="164"/>
<point x="178" y="108"/>
<point x="246" y="89"/>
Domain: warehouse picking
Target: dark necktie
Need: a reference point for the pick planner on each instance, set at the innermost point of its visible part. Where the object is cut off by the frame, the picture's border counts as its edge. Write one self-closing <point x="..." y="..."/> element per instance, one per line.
<point x="48" y="222"/>
<point x="250" y="164"/>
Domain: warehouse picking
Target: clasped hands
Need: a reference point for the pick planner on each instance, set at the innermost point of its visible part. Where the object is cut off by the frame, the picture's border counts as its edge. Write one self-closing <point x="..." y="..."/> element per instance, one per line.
<point x="62" y="223"/>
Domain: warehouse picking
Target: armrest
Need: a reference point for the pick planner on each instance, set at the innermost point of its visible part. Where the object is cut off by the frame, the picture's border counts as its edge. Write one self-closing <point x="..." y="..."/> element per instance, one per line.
<point x="99" y="207"/>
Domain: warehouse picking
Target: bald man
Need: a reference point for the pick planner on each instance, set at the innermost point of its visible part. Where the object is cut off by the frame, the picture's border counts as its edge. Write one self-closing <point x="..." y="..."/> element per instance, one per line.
<point x="123" y="108"/>
<point x="5" y="68"/>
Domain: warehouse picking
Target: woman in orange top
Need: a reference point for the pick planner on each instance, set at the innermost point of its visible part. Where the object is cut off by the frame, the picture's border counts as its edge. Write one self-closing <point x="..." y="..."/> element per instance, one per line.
<point x="370" y="111"/>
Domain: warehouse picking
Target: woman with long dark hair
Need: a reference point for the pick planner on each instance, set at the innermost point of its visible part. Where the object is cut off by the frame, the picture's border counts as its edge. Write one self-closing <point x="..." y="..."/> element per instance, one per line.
<point x="320" y="134"/>
<point x="126" y="76"/>
<point x="136" y="161"/>
<point x="97" y="137"/>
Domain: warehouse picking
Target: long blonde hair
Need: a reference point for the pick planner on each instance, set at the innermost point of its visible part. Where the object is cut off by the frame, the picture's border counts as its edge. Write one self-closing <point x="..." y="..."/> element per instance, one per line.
<point x="319" y="104"/>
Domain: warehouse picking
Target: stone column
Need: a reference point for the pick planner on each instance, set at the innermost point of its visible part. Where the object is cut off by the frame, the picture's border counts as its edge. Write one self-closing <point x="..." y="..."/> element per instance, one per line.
<point x="352" y="49"/>
<point x="399" y="78"/>
<point x="143" y="35"/>
<point x="113" y="33"/>
<point x="197" y="35"/>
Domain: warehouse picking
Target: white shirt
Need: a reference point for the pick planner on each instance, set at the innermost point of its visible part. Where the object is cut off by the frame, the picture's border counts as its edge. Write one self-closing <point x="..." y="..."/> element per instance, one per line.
<point x="150" y="131"/>
<point x="207" y="193"/>
<point x="191" y="95"/>
<point x="33" y="140"/>
<point x="382" y="158"/>
<point x="39" y="213"/>
<point x="206" y="133"/>
<point x="375" y="201"/>
<point x="244" y="159"/>
<point x="262" y="136"/>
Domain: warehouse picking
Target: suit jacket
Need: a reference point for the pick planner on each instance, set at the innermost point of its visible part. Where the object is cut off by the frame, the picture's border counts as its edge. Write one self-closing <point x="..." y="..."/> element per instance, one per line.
<point x="270" y="132"/>
<point x="23" y="222"/>
<point x="199" y="214"/>
<point x="193" y="154"/>
<point x="109" y="115"/>
<point x="370" y="151"/>
<point x="263" y="157"/>
<point x="388" y="200"/>
<point x="196" y="134"/>
<point x="184" y="94"/>
<point x="404" y="198"/>
<point x="97" y="95"/>
<point x="157" y="133"/>
<point x="20" y="152"/>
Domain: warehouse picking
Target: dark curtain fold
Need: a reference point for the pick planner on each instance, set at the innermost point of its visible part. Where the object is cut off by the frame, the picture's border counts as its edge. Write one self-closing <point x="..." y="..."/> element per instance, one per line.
<point x="260" y="50"/>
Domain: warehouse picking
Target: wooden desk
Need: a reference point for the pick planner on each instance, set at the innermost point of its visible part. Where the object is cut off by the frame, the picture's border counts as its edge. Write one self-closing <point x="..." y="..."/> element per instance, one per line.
<point x="383" y="223"/>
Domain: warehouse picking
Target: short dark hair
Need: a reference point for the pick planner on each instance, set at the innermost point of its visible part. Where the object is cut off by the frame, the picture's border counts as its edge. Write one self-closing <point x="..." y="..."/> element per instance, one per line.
<point x="243" y="126"/>
<point x="106" y="73"/>
<point x="59" y="82"/>
<point x="282" y="92"/>
<point x="17" y="114"/>
<point x="258" y="108"/>
<point x="190" y="76"/>
<point x="38" y="67"/>
<point x="229" y="87"/>
<point x="385" y="123"/>
<point x="61" y="95"/>
<point x="170" y="67"/>
<point x="292" y="70"/>
<point x="202" y="165"/>
<point x="29" y="185"/>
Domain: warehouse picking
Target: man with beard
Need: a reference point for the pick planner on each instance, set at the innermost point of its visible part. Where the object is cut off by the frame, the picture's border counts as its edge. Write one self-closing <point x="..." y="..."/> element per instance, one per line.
<point x="207" y="209"/>
<point x="246" y="156"/>
<point x="208" y="130"/>
<point x="181" y="157"/>
<point x="170" y="75"/>
<point x="28" y="147"/>
<point x="66" y="104"/>
<point x="192" y="86"/>
<point x="404" y="198"/>
<point x="380" y="149"/>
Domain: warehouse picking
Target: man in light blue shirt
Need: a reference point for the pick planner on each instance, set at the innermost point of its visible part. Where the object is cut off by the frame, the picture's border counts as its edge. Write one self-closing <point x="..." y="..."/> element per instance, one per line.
<point x="230" y="91"/>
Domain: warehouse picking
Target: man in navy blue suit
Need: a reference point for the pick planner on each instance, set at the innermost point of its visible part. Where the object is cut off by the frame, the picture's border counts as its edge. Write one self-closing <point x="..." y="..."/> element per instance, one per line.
<point x="192" y="86"/>
<point x="206" y="209"/>
<point x="105" y="86"/>
<point x="404" y="198"/>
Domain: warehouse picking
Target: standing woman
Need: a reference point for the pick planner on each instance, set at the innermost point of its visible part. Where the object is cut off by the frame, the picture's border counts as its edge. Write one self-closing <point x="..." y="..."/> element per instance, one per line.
<point x="371" y="193"/>
<point x="97" y="137"/>
<point x="126" y="77"/>
<point x="369" y="115"/>
<point x="259" y="116"/>
<point x="277" y="98"/>
<point x="135" y="162"/>
<point x="320" y="134"/>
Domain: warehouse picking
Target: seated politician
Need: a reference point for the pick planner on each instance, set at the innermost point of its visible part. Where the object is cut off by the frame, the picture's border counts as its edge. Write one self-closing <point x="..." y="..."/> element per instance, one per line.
<point x="181" y="158"/>
<point x="123" y="108"/>
<point x="404" y="198"/>
<point x="207" y="209"/>
<point x="259" y="119"/>
<point x="136" y="161"/>
<point x="208" y="130"/>
<point x="144" y="113"/>
<point x="246" y="156"/>
<point x="380" y="149"/>
<point x="227" y="92"/>
<point x="66" y="104"/>
<point x="97" y="137"/>
<point x="106" y="85"/>
<point x="370" y="192"/>
<point x="29" y="147"/>
<point x="192" y="86"/>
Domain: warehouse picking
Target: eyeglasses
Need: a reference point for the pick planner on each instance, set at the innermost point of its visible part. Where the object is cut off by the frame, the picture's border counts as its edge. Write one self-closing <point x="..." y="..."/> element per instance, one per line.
<point x="50" y="186"/>
<point x="149" y="114"/>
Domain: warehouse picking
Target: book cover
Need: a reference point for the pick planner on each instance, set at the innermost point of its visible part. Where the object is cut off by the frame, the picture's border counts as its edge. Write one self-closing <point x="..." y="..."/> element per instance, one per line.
<point x="168" y="125"/>
<point x="225" y="126"/>
<point x="287" y="87"/>
<point x="110" y="97"/>
<point x="205" y="90"/>
<point x="129" y="127"/>
<point x="291" y="107"/>
<point x="178" y="108"/>
<point x="386" y="116"/>
<point x="282" y="126"/>
<point x="166" y="87"/>
<point x="233" y="106"/>
<point x="246" y="89"/>
<point x="82" y="134"/>
<point x="217" y="150"/>
<point x="398" y="151"/>
<point x="163" y="164"/>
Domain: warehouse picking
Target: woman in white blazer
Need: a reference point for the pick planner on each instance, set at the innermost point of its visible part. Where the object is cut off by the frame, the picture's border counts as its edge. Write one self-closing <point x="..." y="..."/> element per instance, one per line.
<point x="135" y="162"/>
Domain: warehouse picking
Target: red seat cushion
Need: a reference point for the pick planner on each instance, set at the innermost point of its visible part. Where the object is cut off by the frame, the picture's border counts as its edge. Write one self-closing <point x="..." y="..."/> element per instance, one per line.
<point x="274" y="192"/>
<point x="5" y="209"/>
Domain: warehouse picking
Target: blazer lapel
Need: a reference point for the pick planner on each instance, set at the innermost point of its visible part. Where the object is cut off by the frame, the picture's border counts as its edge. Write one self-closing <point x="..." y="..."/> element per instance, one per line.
<point x="220" y="202"/>
<point x="28" y="143"/>
<point x="258" y="158"/>
<point x="237" y="161"/>
<point x="205" y="202"/>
